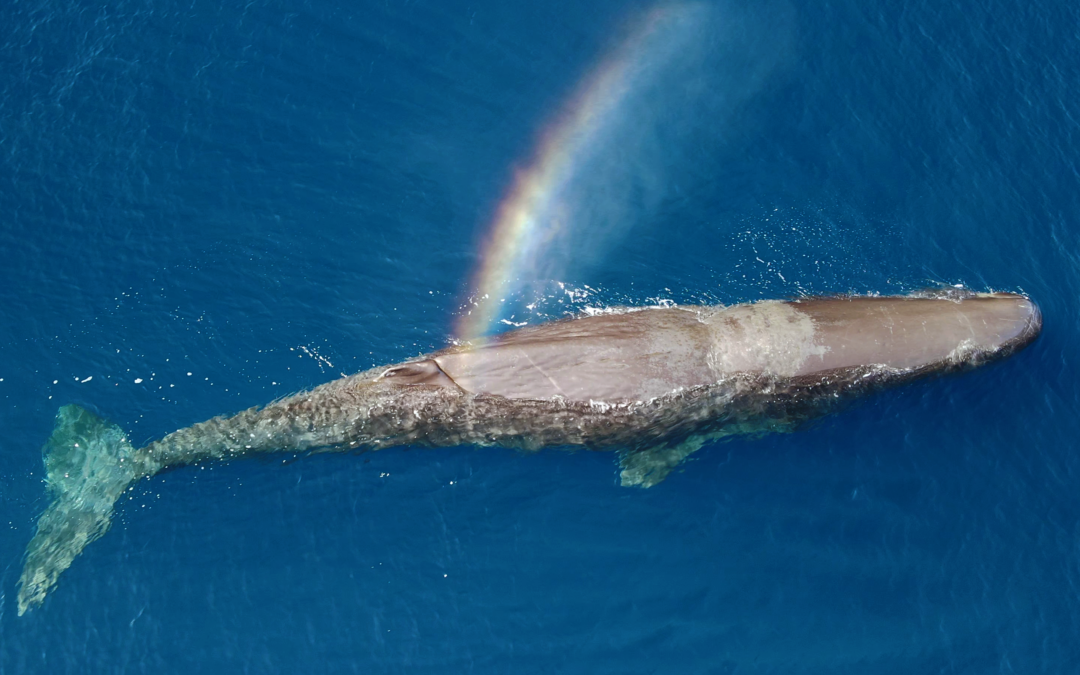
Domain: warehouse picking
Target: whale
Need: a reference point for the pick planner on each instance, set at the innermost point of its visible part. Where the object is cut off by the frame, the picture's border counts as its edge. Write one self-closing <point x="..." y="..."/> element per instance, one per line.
<point x="653" y="384"/>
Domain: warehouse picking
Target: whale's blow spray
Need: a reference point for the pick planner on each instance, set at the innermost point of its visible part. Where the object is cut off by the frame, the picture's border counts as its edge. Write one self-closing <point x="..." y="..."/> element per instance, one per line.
<point x="545" y="201"/>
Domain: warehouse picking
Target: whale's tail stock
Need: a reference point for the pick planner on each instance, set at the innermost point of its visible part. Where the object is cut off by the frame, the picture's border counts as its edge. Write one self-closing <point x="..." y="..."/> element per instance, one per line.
<point x="89" y="463"/>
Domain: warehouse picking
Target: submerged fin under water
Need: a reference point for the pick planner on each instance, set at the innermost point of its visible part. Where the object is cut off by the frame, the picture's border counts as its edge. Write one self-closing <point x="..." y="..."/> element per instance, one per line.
<point x="654" y="384"/>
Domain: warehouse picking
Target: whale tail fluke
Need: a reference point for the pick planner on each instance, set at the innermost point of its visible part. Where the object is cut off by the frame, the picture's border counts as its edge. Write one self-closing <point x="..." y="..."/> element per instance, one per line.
<point x="89" y="463"/>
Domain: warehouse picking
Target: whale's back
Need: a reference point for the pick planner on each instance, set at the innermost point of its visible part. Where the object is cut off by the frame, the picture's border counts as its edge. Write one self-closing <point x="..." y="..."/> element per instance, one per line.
<point x="639" y="355"/>
<point x="627" y="356"/>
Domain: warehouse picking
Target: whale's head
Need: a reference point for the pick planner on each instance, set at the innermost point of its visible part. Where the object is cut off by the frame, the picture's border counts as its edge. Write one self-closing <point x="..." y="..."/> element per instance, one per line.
<point x="931" y="330"/>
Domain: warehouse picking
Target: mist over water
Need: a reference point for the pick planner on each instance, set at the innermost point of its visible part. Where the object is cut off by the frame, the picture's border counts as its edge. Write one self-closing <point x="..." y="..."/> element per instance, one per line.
<point x="665" y="96"/>
<point x="683" y="111"/>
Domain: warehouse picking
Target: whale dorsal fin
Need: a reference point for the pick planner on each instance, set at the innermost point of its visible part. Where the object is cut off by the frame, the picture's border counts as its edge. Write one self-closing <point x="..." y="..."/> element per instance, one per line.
<point x="419" y="372"/>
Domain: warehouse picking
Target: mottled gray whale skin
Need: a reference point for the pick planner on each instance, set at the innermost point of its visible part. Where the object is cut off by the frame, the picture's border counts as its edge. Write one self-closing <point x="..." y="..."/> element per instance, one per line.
<point x="652" y="383"/>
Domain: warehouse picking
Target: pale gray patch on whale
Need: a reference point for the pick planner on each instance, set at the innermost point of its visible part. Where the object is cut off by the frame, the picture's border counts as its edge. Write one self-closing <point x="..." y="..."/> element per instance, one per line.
<point x="769" y="337"/>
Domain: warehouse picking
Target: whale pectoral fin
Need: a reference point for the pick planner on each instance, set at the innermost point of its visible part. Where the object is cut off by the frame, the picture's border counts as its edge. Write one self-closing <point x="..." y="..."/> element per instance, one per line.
<point x="645" y="468"/>
<point x="419" y="372"/>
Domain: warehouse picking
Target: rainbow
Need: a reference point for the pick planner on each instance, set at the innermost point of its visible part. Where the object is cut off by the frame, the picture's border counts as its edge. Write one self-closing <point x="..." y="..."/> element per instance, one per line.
<point x="532" y="212"/>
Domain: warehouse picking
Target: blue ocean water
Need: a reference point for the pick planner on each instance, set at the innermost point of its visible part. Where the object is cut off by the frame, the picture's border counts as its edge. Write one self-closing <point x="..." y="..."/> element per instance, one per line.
<point x="208" y="207"/>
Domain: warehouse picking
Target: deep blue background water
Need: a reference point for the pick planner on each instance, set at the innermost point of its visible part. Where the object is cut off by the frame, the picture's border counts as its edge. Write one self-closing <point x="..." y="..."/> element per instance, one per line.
<point x="268" y="195"/>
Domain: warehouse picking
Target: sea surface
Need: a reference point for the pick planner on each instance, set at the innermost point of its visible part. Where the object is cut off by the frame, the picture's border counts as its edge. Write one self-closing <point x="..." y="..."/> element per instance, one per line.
<point x="205" y="206"/>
